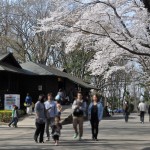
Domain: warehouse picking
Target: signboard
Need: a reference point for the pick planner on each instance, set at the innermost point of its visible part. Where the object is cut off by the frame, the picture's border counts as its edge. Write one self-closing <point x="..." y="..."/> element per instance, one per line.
<point x="10" y="100"/>
<point x="40" y="87"/>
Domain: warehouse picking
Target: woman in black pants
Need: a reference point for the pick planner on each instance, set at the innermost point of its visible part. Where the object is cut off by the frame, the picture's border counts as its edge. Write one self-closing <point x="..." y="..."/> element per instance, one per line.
<point x="95" y="113"/>
<point x="40" y="113"/>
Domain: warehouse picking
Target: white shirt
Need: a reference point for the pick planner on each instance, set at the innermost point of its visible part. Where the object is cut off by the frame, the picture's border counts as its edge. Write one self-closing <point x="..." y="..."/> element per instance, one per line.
<point x="142" y="106"/>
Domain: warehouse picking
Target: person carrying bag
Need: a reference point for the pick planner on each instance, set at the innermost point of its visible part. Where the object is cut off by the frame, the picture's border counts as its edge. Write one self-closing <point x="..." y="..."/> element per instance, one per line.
<point x="79" y="112"/>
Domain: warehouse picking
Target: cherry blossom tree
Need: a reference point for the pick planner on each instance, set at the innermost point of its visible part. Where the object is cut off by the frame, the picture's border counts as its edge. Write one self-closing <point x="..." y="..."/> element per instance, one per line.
<point x="119" y="33"/>
<point x="115" y="29"/>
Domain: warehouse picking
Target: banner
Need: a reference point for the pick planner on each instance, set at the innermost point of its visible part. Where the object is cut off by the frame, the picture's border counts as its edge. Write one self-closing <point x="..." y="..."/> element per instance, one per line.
<point x="10" y="100"/>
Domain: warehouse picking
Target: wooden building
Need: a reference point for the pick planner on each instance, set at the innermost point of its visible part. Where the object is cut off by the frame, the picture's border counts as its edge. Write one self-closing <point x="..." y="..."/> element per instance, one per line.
<point x="35" y="79"/>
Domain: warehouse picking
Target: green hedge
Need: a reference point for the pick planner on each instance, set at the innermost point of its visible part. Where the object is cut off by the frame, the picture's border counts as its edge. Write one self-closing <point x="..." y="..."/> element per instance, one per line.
<point x="5" y="115"/>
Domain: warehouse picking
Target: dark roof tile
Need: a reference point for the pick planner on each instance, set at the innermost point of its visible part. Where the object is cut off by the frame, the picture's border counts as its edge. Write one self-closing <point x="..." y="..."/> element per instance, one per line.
<point x="46" y="70"/>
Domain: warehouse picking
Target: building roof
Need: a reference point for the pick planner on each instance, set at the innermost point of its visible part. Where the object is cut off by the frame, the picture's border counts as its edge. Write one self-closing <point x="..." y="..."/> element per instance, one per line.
<point x="35" y="68"/>
<point x="9" y="63"/>
<point x="1" y="68"/>
<point x="9" y="59"/>
<point x="7" y="67"/>
<point x="68" y="76"/>
<point x="62" y="69"/>
<point x="46" y="70"/>
<point x="3" y="56"/>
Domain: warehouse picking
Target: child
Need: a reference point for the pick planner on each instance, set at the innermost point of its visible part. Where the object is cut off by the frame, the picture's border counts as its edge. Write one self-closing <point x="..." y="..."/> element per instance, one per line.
<point x="59" y="109"/>
<point x="56" y="130"/>
<point x="14" y="120"/>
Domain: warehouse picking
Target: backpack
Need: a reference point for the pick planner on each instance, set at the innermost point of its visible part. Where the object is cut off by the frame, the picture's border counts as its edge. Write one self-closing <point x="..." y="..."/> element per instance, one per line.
<point x="78" y="112"/>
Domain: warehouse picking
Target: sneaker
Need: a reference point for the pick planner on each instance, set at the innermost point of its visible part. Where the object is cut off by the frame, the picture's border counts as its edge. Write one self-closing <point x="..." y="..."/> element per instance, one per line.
<point x="35" y="140"/>
<point x="75" y="135"/>
<point x="93" y="138"/>
<point x="9" y="125"/>
<point x="56" y="143"/>
<point x="47" y="139"/>
<point x="41" y="142"/>
<point x="80" y="138"/>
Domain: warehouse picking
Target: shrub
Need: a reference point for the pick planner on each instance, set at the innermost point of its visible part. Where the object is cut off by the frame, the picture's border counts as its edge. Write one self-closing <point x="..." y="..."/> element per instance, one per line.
<point x="5" y="115"/>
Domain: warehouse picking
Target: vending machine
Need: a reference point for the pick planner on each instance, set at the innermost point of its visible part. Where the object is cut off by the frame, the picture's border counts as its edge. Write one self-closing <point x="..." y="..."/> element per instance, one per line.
<point x="10" y="100"/>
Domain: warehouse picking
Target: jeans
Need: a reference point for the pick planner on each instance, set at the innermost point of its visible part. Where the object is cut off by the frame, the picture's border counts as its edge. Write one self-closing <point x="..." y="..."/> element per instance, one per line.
<point x="49" y="122"/>
<point x="76" y="121"/>
<point x="14" y="121"/>
<point x="142" y="113"/>
<point x="126" y="115"/>
<point x="94" y="127"/>
<point x="39" y="131"/>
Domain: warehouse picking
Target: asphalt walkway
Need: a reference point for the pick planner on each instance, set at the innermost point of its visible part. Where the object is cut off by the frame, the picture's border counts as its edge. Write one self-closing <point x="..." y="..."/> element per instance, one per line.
<point x="114" y="134"/>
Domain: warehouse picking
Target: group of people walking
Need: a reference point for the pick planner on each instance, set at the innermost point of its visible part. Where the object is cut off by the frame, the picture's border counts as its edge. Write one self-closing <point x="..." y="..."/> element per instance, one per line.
<point x="95" y="113"/>
<point x="48" y="116"/>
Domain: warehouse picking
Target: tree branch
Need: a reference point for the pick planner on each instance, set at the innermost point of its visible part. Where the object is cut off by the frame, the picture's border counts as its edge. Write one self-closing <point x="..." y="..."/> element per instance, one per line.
<point x="129" y="50"/>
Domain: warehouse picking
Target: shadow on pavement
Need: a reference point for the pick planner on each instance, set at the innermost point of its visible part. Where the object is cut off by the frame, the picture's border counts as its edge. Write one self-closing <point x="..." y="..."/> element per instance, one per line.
<point x="72" y="145"/>
<point x="116" y="118"/>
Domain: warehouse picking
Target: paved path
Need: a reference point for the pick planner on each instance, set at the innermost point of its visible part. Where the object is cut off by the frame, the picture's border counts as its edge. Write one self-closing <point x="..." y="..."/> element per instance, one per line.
<point x="114" y="134"/>
<point x="29" y="121"/>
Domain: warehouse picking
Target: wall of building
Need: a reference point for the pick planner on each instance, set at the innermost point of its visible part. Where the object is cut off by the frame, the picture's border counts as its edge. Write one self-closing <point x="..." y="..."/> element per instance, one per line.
<point x="13" y="83"/>
<point x="9" y="84"/>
